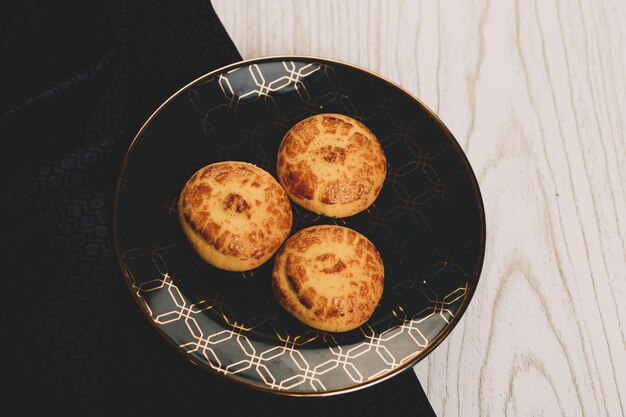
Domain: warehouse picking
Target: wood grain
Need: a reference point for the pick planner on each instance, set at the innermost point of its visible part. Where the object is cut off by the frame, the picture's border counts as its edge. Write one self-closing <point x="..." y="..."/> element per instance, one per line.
<point x="535" y="92"/>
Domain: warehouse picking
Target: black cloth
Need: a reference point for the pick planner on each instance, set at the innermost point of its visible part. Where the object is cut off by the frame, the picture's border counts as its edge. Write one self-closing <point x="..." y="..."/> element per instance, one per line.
<point x="78" y="80"/>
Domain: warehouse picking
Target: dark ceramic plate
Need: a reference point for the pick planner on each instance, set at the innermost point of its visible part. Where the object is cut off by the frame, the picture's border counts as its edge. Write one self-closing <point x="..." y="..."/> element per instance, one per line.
<point x="428" y="224"/>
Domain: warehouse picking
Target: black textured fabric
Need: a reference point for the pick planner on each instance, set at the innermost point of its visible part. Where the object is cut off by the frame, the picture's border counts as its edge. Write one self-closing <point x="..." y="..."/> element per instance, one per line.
<point x="78" y="80"/>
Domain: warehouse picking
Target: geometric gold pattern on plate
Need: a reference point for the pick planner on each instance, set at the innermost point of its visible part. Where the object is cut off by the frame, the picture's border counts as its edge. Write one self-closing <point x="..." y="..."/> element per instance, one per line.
<point x="427" y="223"/>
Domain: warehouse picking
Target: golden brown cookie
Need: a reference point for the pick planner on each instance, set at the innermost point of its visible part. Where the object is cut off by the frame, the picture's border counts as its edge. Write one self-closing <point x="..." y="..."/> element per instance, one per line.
<point x="234" y="214"/>
<point x="331" y="164"/>
<point x="329" y="277"/>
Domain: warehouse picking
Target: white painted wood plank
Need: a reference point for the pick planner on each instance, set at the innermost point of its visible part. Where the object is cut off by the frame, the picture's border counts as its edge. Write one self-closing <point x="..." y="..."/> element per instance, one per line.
<point x="535" y="92"/>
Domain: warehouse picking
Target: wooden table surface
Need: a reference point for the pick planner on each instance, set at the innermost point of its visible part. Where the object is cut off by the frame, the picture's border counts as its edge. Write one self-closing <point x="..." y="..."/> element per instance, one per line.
<point x="535" y="93"/>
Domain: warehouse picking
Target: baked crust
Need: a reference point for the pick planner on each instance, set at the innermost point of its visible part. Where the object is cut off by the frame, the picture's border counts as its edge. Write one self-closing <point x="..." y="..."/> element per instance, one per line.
<point x="234" y="214"/>
<point x="329" y="277"/>
<point x="331" y="164"/>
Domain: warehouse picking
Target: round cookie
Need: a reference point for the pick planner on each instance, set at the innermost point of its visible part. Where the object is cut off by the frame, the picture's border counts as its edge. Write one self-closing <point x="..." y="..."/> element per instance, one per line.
<point x="234" y="214"/>
<point x="328" y="277"/>
<point x="331" y="164"/>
